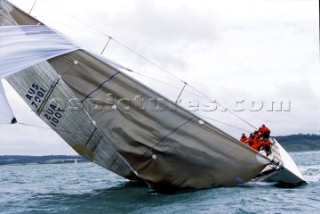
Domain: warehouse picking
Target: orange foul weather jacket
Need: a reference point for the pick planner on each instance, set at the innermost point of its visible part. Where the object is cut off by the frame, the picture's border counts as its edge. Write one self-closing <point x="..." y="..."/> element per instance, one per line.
<point x="256" y="143"/>
<point x="244" y="139"/>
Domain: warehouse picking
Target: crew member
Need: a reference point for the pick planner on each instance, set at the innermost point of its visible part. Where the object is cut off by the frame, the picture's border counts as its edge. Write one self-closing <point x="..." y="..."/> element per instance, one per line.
<point x="250" y="140"/>
<point x="244" y="139"/>
<point x="267" y="146"/>
<point x="256" y="141"/>
<point x="264" y="131"/>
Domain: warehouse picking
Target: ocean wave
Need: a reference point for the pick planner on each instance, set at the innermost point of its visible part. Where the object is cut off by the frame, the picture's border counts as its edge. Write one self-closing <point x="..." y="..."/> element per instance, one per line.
<point x="311" y="173"/>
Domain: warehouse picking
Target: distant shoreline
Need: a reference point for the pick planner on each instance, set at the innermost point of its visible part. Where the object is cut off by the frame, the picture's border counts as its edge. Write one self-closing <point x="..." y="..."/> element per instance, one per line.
<point x="35" y="160"/>
<point x="292" y="143"/>
<point x="300" y="142"/>
<point x="19" y="164"/>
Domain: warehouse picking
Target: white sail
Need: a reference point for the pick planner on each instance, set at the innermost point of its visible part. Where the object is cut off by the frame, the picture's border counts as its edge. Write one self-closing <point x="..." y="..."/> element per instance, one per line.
<point x="6" y="115"/>
<point x="24" y="46"/>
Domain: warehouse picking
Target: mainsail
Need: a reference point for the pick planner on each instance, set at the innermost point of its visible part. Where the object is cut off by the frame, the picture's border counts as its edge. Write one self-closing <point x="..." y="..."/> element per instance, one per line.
<point x="111" y="119"/>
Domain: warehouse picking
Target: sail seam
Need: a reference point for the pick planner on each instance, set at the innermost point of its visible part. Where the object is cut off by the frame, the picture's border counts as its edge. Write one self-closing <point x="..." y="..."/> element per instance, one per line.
<point x="48" y="95"/>
<point x="95" y="129"/>
<point x="95" y="147"/>
<point x="110" y="78"/>
<point x="162" y="139"/>
<point x="114" y="161"/>
<point x="173" y="131"/>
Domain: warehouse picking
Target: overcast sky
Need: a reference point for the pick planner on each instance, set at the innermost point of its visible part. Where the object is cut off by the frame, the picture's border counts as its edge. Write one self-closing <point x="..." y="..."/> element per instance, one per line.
<point x="233" y="51"/>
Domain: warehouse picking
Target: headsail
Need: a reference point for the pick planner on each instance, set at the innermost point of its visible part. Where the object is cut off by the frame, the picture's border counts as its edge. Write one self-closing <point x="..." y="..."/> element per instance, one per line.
<point x="24" y="46"/>
<point x="6" y="115"/>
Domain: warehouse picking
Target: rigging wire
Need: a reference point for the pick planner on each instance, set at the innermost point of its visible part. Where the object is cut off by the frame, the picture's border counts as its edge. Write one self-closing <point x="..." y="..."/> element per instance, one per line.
<point x="226" y="109"/>
<point x="109" y="39"/>
<point x="207" y="97"/>
<point x="117" y="41"/>
<point x="155" y="76"/>
<point x="34" y="4"/>
<point x="77" y="19"/>
<point x="146" y="59"/>
<point x="210" y="118"/>
<point x="185" y="83"/>
<point x="181" y="92"/>
<point x="167" y="84"/>
<point x="40" y="127"/>
<point x="195" y="95"/>
<point x="202" y="96"/>
<point x="86" y="30"/>
<point x="49" y="128"/>
<point x="192" y="93"/>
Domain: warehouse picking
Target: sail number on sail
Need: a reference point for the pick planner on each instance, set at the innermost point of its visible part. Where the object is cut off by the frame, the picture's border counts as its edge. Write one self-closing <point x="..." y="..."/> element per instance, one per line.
<point x="36" y="95"/>
<point x="53" y="114"/>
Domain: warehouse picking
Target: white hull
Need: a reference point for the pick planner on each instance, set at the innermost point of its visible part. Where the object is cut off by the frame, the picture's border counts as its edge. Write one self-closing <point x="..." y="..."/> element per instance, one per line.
<point x="282" y="168"/>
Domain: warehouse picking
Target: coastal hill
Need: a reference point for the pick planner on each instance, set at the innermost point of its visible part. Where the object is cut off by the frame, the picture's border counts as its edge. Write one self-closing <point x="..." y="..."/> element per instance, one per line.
<point x="292" y="143"/>
<point x="300" y="142"/>
<point x="48" y="159"/>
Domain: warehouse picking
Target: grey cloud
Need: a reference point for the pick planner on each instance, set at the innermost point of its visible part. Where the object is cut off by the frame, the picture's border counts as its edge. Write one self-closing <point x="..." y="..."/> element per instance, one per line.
<point x="161" y="24"/>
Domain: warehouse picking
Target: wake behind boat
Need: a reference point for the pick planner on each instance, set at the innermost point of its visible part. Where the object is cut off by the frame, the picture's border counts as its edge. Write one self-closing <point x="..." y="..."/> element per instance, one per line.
<point x="169" y="150"/>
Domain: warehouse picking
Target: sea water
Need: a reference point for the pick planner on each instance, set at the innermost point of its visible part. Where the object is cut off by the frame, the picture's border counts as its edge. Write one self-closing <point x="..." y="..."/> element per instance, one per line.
<point x="88" y="188"/>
